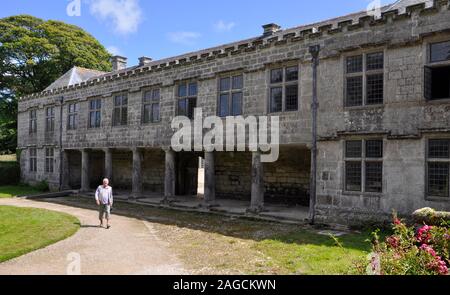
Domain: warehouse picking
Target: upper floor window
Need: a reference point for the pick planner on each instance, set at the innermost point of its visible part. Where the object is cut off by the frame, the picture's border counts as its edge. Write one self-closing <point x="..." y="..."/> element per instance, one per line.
<point x="33" y="159"/>
<point x="72" y="116"/>
<point x="438" y="168"/>
<point x="95" y="113"/>
<point x="50" y="119"/>
<point x="364" y="79"/>
<point x="187" y="99"/>
<point x="364" y="166"/>
<point x="120" y="114"/>
<point x="437" y="72"/>
<point x="49" y="157"/>
<point x="284" y="89"/>
<point x="33" y="121"/>
<point x="151" y="106"/>
<point x="230" y="96"/>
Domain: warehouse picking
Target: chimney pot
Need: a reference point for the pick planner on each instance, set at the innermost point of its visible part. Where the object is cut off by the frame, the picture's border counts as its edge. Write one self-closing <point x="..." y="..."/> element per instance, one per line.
<point x="144" y="60"/>
<point x="270" y="29"/>
<point x="118" y="63"/>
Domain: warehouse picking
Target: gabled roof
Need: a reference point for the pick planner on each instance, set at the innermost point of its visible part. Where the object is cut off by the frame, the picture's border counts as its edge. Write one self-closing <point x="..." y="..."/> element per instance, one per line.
<point x="74" y="76"/>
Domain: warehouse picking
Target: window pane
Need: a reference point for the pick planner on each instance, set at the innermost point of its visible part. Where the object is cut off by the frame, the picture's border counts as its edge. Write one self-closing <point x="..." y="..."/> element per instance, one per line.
<point x="92" y="120"/>
<point x="192" y="89"/>
<point x="92" y="105"/>
<point x="238" y="82"/>
<point x="99" y="104"/>
<point x="236" y="104"/>
<point x="155" y="112"/>
<point x="276" y="95"/>
<point x="353" y="176"/>
<point x="182" y="110"/>
<point x="438" y="179"/>
<point x="147" y="113"/>
<point x="192" y="104"/>
<point x="440" y="51"/>
<point x="374" y="177"/>
<point x="439" y="148"/>
<point x="375" y="61"/>
<point x="124" y="118"/>
<point x="156" y="94"/>
<point x="354" y="64"/>
<point x="353" y="149"/>
<point x="147" y="96"/>
<point x="116" y="117"/>
<point x="182" y="90"/>
<point x="374" y="149"/>
<point x="292" y="74"/>
<point x="223" y="105"/>
<point x="118" y="100"/>
<point x="98" y="119"/>
<point x="375" y="89"/>
<point x="276" y="76"/>
<point x="225" y="84"/>
<point x="354" y="91"/>
<point x="291" y="98"/>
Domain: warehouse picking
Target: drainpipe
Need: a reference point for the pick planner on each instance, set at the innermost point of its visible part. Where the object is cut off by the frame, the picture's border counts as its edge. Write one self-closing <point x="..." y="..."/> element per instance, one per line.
<point x="314" y="51"/>
<point x="61" y="168"/>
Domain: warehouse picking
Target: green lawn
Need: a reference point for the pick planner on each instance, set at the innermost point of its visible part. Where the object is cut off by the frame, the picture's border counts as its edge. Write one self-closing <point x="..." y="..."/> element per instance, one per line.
<point x="23" y="230"/>
<point x="9" y="191"/>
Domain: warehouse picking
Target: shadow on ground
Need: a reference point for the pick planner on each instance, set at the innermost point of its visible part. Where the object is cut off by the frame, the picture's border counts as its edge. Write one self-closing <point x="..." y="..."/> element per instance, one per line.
<point x="224" y="225"/>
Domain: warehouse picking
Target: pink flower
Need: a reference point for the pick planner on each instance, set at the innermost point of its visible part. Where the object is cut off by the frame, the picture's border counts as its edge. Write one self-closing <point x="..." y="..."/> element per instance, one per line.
<point x="393" y="241"/>
<point x="424" y="235"/>
<point x="428" y="249"/>
<point x="397" y="221"/>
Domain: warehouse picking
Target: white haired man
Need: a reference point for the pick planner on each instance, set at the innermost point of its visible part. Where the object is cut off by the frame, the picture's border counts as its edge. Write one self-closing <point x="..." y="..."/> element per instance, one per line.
<point x="104" y="199"/>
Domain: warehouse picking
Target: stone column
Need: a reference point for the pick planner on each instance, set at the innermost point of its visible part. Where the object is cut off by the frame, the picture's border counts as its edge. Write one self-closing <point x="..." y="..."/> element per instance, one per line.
<point x="169" y="177"/>
<point x="210" y="180"/>
<point x="85" y="170"/>
<point x="108" y="164"/>
<point x="257" y="198"/>
<point x="65" y="171"/>
<point x="137" y="173"/>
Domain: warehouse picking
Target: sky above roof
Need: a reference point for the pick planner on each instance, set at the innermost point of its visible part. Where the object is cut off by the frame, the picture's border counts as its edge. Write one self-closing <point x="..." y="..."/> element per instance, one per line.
<point x="160" y="29"/>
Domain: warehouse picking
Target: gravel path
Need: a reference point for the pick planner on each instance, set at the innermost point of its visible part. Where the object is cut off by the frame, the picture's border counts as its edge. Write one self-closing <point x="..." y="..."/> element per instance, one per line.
<point x="129" y="247"/>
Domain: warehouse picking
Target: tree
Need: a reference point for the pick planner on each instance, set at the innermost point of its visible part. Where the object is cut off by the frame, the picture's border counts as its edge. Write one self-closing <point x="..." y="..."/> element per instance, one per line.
<point x="33" y="54"/>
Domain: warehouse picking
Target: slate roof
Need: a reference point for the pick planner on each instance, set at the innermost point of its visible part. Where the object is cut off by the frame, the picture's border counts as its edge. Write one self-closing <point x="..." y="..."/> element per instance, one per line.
<point x="74" y="76"/>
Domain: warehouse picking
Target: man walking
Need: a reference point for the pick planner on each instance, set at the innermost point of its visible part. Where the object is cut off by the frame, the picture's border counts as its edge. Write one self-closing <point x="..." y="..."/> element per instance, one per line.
<point x="104" y="199"/>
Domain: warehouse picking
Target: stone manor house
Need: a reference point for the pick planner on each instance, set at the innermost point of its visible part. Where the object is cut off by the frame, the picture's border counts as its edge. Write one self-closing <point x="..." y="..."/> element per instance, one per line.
<point x="383" y="122"/>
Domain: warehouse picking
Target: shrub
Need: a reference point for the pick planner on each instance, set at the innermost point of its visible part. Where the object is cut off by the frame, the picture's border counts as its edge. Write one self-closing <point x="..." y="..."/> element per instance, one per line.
<point x="411" y="251"/>
<point x="10" y="173"/>
<point x="42" y="186"/>
<point x="431" y="217"/>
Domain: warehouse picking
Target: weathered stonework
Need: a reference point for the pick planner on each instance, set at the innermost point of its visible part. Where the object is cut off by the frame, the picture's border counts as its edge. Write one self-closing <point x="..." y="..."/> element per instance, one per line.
<point x="404" y="121"/>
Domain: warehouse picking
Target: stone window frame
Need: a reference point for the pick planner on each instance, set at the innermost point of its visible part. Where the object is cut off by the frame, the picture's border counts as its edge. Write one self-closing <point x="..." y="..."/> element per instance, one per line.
<point x="429" y="160"/>
<point x="187" y="98"/>
<point x="230" y="92"/>
<point x="72" y="115"/>
<point x="123" y="109"/>
<point x="152" y="102"/>
<point x="363" y="160"/>
<point x="32" y="157"/>
<point x="32" y="127"/>
<point x="429" y="64"/>
<point x="364" y="74"/>
<point x="283" y="85"/>
<point x="49" y="166"/>
<point x="50" y="119"/>
<point x="96" y="110"/>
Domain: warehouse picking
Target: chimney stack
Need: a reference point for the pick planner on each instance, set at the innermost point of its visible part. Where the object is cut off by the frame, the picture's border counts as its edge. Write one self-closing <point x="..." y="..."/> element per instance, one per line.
<point x="118" y="63"/>
<point x="144" y="61"/>
<point x="270" y="29"/>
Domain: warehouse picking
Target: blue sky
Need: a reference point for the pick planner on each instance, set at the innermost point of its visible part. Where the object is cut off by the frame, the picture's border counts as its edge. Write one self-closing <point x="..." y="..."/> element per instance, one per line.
<point x="165" y="28"/>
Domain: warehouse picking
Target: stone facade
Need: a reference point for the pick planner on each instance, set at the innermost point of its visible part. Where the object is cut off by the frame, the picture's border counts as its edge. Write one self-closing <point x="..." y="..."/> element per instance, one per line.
<point x="140" y="153"/>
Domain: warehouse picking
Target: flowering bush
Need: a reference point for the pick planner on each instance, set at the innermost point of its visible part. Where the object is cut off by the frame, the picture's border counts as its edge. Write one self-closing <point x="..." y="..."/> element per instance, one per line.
<point x="411" y="251"/>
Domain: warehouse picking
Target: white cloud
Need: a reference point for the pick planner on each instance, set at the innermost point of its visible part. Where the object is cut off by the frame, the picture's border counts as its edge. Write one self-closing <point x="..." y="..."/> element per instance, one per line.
<point x="114" y="50"/>
<point x="185" y="38"/>
<point x="124" y="15"/>
<point x="222" y="26"/>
